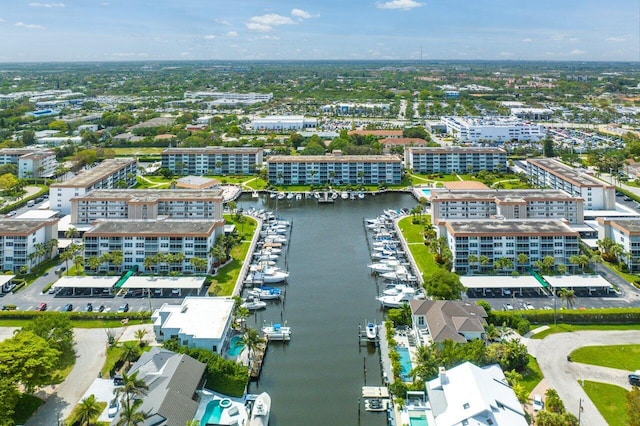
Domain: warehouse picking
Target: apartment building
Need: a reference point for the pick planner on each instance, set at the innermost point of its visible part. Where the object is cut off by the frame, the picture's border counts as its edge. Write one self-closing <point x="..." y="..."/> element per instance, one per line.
<point x="625" y="232"/>
<point x="111" y="173"/>
<point x="30" y="162"/>
<point x="139" y="239"/>
<point x="455" y="159"/>
<point x="507" y="204"/>
<point x="492" y="129"/>
<point x="284" y="122"/>
<point x="334" y="169"/>
<point x="550" y="173"/>
<point x="497" y="239"/>
<point x="20" y="240"/>
<point x="212" y="160"/>
<point x="136" y="204"/>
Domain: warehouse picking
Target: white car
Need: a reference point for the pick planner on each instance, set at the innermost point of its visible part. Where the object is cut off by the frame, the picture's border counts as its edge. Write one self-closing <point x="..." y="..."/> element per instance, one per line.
<point x="537" y="402"/>
<point x="114" y="406"/>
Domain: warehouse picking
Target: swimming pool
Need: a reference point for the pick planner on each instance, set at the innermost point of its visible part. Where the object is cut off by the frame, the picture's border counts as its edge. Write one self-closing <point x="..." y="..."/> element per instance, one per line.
<point x="420" y="420"/>
<point x="235" y="347"/>
<point x="212" y="414"/>
<point x="405" y="364"/>
<point x="426" y="192"/>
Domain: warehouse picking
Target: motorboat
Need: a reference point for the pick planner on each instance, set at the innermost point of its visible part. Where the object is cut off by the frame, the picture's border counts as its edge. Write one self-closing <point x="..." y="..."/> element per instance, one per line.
<point x="298" y="196"/>
<point x="401" y="273"/>
<point x="254" y="194"/>
<point x="397" y="300"/>
<point x="270" y="274"/>
<point x="344" y="195"/>
<point x="372" y="331"/>
<point x="361" y="195"/>
<point x="281" y="195"/>
<point x="265" y="293"/>
<point x="290" y="196"/>
<point x="276" y="331"/>
<point x="254" y="304"/>
<point x="273" y="195"/>
<point x="275" y="238"/>
<point x="386" y="265"/>
<point x="394" y="289"/>
<point x="260" y="411"/>
<point x="265" y="255"/>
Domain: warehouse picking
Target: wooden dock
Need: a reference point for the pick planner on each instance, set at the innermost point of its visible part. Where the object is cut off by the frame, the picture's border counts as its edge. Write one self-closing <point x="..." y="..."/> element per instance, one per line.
<point x="258" y="358"/>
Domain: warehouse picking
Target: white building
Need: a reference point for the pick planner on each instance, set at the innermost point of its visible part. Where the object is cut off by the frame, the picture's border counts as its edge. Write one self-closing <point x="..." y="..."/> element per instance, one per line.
<point x="455" y="159"/>
<point x="20" y="238"/>
<point x="625" y="232"/>
<point x="111" y="173"/>
<point x="30" y="162"/>
<point x="230" y="98"/>
<point x="498" y="239"/>
<point x="59" y="140"/>
<point x="508" y="204"/>
<point x="470" y="395"/>
<point x="138" y="204"/>
<point x="212" y="160"/>
<point x="283" y="122"/>
<point x="139" y="239"/>
<point x="199" y="322"/>
<point x="492" y="129"/>
<point x="550" y="173"/>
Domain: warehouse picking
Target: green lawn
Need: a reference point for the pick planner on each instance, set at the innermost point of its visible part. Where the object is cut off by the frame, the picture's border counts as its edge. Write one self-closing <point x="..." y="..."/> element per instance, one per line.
<point x="113" y="355"/>
<point x="138" y="151"/>
<point x="26" y="406"/>
<point x="532" y="375"/>
<point x="76" y="323"/>
<point x="568" y="328"/>
<point x="624" y="357"/>
<point x="610" y="400"/>
<point x="420" y="252"/>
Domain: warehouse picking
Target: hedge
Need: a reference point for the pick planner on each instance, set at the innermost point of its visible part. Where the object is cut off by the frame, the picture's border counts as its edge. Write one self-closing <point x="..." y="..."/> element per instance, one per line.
<point x="576" y="316"/>
<point x="76" y="316"/>
<point x="24" y="201"/>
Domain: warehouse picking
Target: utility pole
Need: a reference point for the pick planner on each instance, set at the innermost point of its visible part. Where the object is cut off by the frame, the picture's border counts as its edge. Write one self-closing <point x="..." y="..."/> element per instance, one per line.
<point x="579" y="411"/>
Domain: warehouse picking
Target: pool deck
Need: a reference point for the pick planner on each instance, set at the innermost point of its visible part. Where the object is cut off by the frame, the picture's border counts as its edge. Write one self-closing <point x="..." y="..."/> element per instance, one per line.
<point x="207" y="396"/>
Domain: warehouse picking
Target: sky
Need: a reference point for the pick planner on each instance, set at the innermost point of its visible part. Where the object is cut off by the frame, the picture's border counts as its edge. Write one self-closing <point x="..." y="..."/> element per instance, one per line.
<point x="124" y="30"/>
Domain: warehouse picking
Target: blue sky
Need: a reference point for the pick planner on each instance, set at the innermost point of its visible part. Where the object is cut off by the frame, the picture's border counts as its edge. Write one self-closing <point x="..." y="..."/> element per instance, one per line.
<point x="111" y="30"/>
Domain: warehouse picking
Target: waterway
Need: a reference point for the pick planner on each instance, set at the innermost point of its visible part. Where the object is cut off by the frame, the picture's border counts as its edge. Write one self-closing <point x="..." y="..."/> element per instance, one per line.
<point x="316" y="378"/>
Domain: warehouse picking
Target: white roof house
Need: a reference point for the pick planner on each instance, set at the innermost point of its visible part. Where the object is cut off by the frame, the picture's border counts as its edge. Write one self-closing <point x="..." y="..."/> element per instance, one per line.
<point x="474" y="396"/>
<point x="199" y="322"/>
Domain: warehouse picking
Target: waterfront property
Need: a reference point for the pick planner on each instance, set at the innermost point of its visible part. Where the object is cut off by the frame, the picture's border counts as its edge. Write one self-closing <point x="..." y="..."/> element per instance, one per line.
<point x="30" y="162"/>
<point x="198" y="322"/>
<point x="497" y="239"/>
<point x="508" y="204"/>
<point x="455" y="159"/>
<point x="212" y="160"/>
<point x="20" y="240"/>
<point x="141" y="239"/>
<point x="334" y="169"/>
<point x="550" y="173"/>
<point x="625" y="232"/>
<point x="492" y="129"/>
<point x="439" y="320"/>
<point x="111" y="173"/>
<point x="146" y="204"/>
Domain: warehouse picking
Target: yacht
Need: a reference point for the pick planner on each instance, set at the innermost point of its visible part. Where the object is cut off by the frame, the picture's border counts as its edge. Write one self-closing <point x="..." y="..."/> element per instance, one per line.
<point x="269" y="274"/>
<point x="254" y="304"/>
<point x="277" y="331"/>
<point x="372" y="331"/>
<point x="260" y="410"/>
<point x="386" y="265"/>
<point x="265" y="293"/>
<point x="397" y="300"/>
<point x="344" y="195"/>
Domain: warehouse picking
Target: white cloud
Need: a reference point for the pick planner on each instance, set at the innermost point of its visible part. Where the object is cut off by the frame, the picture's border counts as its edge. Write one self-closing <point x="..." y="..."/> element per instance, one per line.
<point x="272" y="19"/>
<point x="232" y="34"/>
<point x="616" y="39"/>
<point x="299" y="13"/>
<point x="105" y="4"/>
<point x="47" y="5"/>
<point x="527" y="40"/>
<point x="222" y="22"/>
<point x="252" y="26"/>
<point x="29" y="26"/>
<point x="209" y="37"/>
<point x="399" y="4"/>
<point x="577" y="52"/>
<point x="268" y="37"/>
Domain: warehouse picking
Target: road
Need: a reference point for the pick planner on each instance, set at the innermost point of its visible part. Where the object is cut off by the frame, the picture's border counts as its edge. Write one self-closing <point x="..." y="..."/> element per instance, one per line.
<point x="563" y="376"/>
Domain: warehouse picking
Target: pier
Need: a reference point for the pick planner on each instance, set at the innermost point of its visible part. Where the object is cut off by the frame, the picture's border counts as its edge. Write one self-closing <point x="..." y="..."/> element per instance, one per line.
<point x="257" y="360"/>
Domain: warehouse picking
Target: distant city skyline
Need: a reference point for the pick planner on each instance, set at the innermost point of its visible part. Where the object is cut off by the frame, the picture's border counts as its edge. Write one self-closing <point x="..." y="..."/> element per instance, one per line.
<point x="119" y="30"/>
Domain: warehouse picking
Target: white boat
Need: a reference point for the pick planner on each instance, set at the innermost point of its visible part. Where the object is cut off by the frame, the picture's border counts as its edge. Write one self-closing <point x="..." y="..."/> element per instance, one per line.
<point x="265" y="255"/>
<point x="395" y="301"/>
<point x="344" y="195"/>
<point x="281" y="195"/>
<point x="276" y="331"/>
<point x="372" y="331"/>
<point x="394" y="289"/>
<point x="254" y="194"/>
<point x="273" y="195"/>
<point x="266" y="293"/>
<point x="298" y="196"/>
<point x="275" y="238"/>
<point x="401" y="273"/>
<point x="334" y="195"/>
<point x="386" y="265"/>
<point x="290" y="196"/>
<point x="361" y="195"/>
<point x="254" y="304"/>
<point x="260" y="411"/>
<point x="269" y="274"/>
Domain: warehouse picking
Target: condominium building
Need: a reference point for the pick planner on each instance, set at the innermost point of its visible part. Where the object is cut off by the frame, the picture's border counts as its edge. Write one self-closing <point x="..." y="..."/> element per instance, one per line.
<point x="30" y="162"/>
<point x="498" y="239"/>
<point x="625" y="232"/>
<point x="139" y="239"/>
<point x="283" y="122"/>
<point x="507" y="204"/>
<point x="20" y="240"/>
<point x="492" y="129"/>
<point x="146" y="204"/>
<point x="334" y="169"/>
<point x="212" y="160"/>
<point x="111" y="173"/>
<point x="455" y="159"/>
<point x="550" y="173"/>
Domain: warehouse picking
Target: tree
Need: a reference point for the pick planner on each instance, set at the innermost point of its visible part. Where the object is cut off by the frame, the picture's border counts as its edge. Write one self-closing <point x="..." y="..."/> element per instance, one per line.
<point x="132" y="388"/>
<point x="56" y="329"/>
<point x="568" y="297"/>
<point x="27" y="359"/>
<point x="522" y="259"/>
<point x="78" y="262"/>
<point x="251" y="340"/>
<point x="581" y="260"/>
<point x="633" y="407"/>
<point x="94" y="263"/>
<point x="547" y="146"/>
<point x="232" y="205"/>
<point x="130" y="352"/>
<point x="66" y="256"/>
<point x="130" y="414"/>
<point x="440" y="249"/>
<point x="503" y="263"/>
<point x="140" y="335"/>
<point x="87" y="411"/>
<point x="443" y="285"/>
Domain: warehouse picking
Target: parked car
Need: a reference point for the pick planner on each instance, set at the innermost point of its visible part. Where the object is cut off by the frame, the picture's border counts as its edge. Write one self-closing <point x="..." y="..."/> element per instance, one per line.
<point x="508" y="307"/>
<point x="67" y="308"/>
<point x="89" y="307"/>
<point x="634" y="379"/>
<point x="114" y="406"/>
<point x="61" y="269"/>
<point x="41" y="306"/>
<point x="124" y="308"/>
<point x="101" y="308"/>
<point x="537" y="402"/>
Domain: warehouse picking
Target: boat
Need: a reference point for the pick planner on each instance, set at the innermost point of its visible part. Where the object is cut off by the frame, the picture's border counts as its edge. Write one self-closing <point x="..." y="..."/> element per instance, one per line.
<point x="393" y="289"/>
<point x="281" y="195"/>
<point x="386" y="265"/>
<point x="290" y="196"/>
<point x="260" y="410"/>
<point x="361" y="195"/>
<point x="397" y="300"/>
<point x="265" y="293"/>
<point x="254" y="194"/>
<point x="401" y="273"/>
<point x="273" y="195"/>
<point x="372" y="331"/>
<point x="276" y="331"/>
<point x="265" y="255"/>
<point x="376" y="404"/>
<point x="269" y="274"/>
<point x="299" y="196"/>
<point x="254" y="304"/>
<point x="344" y="195"/>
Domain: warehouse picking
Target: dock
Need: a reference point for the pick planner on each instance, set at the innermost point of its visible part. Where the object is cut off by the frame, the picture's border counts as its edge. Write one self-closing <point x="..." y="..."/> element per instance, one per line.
<point x="376" y="398"/>
<point x="257" y="361"/>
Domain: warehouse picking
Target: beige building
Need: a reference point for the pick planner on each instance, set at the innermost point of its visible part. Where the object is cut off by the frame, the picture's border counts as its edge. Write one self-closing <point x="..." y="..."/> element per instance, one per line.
<point x="20" y="239"/>
<point x="455" y="159"/>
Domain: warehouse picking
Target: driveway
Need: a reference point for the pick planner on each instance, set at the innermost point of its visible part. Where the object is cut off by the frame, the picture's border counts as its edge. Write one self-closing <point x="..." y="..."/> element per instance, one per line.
<point x="90" y="356"/>
<point x="563" y="376"/>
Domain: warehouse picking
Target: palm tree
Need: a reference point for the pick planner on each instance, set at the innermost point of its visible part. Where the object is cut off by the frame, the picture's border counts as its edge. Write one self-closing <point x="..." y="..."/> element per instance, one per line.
<point x="78" y="262"/>
<point x="132" y="388"/>
<point x="581" y="260"/>
<point x="140" y="334"/>
<point x="71" y="233"/>
<point x="94" y="263"/>
<point x="568" y="297"/>
<point x="130" y="352"/>
<point x="522" y="259"/>
<point x="252" y="340"/>
<point x="66" y="256"/>
<point x="88" y="410"/>
<point x="503" y="263"/>
<point x="473" y="260"/>
<point x="130" y="415"/>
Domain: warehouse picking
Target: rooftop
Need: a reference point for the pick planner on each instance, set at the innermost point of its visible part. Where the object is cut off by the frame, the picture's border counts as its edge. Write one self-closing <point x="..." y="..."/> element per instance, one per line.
<point x="212" y="150"/>
<point x="99" y="172"/>
<point x="200" y="317"/>
<point x="23" y="227"/>
<point x="627" y="226"/>
<point x="150" y="195"/>
<point x="512" y="195"/>
<point x="333" y="159"/>
<point x="156" y="228"/>
<point x="494" y="228"/>
<point x="192" y="282"/>
<point x="578" y="177"/>
<point x="457" y="150"/>
<point x="447" y="319"/>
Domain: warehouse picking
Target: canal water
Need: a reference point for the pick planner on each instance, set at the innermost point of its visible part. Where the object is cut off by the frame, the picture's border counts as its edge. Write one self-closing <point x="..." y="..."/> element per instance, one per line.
<point x="316" y="378"/>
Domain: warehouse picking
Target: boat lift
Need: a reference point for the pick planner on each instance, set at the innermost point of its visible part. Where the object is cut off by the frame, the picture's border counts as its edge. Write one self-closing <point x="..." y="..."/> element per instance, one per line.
<point x="363" y="339"/>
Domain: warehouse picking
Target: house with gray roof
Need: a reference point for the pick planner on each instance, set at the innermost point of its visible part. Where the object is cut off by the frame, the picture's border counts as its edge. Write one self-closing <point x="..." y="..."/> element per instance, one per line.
<point x="438" y="320"/>
<point x="172" y="379"/>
